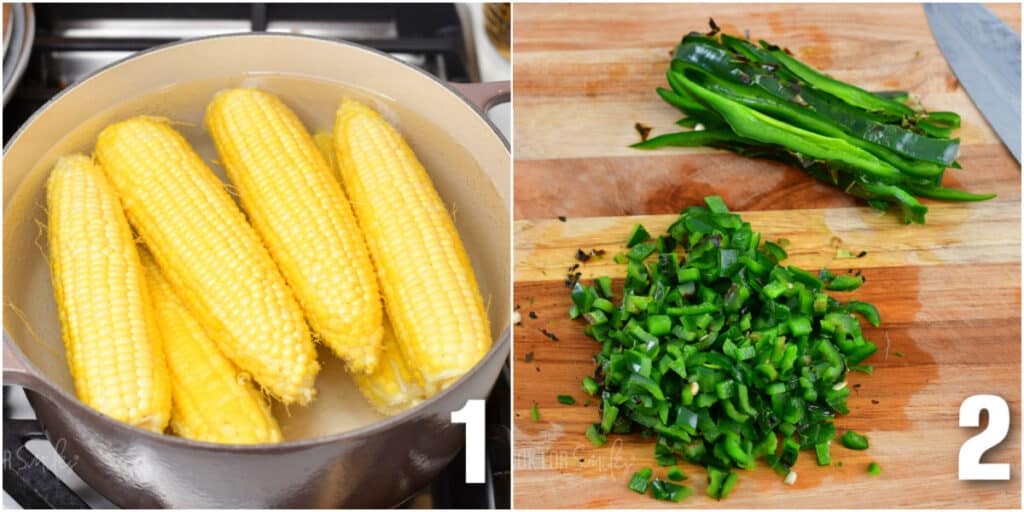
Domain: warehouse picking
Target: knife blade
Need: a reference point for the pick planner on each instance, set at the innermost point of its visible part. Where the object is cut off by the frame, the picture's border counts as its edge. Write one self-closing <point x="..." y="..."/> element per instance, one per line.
<point x="984" y="54"/>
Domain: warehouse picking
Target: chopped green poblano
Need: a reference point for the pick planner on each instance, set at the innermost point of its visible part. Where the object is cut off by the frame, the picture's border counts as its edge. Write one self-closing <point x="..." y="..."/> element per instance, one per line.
<point x="720" y="353"/>
<point x="854" y="441"/>
<point x="640" y="480"/>
<point x="639" y="234"/>
<point x="668" y="491"/>
<point x="595" y="436"/>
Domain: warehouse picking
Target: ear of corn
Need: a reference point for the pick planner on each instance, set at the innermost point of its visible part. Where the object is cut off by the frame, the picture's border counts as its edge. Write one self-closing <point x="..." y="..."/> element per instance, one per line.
<point x="113" y="345"/>
<point x="430" y="292"/>
<point x="213" y="258"/>
<point x="393" y="386"/>
<point x="325" y="143"/>
<point x="212" y="400"/>
<point x="298" y="207"/>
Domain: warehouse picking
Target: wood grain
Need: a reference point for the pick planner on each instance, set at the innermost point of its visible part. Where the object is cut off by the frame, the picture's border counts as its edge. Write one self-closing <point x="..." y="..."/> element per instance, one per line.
<point x="949" y="291"/>
<point x="950" y="308"/>
<point x="667" y="181"/>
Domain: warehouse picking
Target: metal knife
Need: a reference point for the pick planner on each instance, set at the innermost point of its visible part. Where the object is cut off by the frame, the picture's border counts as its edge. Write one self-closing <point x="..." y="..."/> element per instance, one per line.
<point x="984" y="54"/>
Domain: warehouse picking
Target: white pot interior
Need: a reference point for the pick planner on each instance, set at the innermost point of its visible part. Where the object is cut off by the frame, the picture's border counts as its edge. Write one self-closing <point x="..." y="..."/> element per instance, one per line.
<point x="469" y="164"/>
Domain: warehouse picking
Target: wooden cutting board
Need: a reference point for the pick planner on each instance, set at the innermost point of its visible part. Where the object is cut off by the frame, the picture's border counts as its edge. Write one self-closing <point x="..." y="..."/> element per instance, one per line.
<point x="949" y="291"/>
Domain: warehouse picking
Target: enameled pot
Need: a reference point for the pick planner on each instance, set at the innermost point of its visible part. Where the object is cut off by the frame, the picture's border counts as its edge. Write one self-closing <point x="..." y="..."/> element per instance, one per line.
<point x="339" y="453"/>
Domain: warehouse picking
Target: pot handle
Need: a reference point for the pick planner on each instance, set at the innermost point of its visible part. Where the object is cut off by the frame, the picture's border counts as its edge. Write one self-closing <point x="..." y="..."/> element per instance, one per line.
<point x="484" y="95"/>
<point x="27" y="480"/>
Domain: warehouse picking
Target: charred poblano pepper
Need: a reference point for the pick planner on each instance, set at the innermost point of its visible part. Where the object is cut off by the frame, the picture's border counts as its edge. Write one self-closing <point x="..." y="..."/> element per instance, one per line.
<point x="759" y="101"/>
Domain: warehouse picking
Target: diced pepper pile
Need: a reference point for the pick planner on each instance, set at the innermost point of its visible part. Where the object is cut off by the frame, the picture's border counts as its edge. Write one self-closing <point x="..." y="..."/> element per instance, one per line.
<point x="720" y="351"/>
<point x="760" y="101"/>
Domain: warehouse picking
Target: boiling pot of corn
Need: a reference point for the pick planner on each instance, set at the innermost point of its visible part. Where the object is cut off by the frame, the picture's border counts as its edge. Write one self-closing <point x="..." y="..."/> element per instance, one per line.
<point x="196" y="327"/>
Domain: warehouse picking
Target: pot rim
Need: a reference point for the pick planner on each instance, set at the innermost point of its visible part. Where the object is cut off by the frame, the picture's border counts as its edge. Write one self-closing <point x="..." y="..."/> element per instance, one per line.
<point x="240" y="35"/>
<point x="500" y="347"/>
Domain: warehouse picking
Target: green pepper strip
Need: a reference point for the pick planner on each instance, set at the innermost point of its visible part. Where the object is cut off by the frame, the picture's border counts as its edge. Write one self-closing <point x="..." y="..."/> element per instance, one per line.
<point x="895" y="137"/>
<point x="748" y="50"/>
<point x="850" y="93"/>
<point x="858" y="187"/>
<point x="762" y="70"/>
<point x="805" y="277"/>
<point x="809" y="120"/>
<point x="878" y="195"/>
<point x="913" y="211"/>
<point x="750" y="123"/>
<point x="947" y="194"/>
<point x="934" y="130"/>
<point x="688" y="122"/>
<point x="900" y="96"/>
<point x="870" y="127"/>
<point x="684" y="102"/>
<point x="689" y="139"/>
<point x="950" y="119"/>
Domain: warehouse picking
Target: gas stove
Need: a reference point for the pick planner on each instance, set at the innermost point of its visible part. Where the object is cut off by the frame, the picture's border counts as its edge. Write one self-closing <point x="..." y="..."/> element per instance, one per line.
<point x="74" y="40"/>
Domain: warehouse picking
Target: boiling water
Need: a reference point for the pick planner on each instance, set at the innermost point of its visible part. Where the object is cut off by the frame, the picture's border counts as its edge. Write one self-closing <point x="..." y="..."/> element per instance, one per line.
<point x="481" y="216"/>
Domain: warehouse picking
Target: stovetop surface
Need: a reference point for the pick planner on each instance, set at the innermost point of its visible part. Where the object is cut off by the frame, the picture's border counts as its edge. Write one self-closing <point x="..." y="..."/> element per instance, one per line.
<point x="73" y="40"/>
